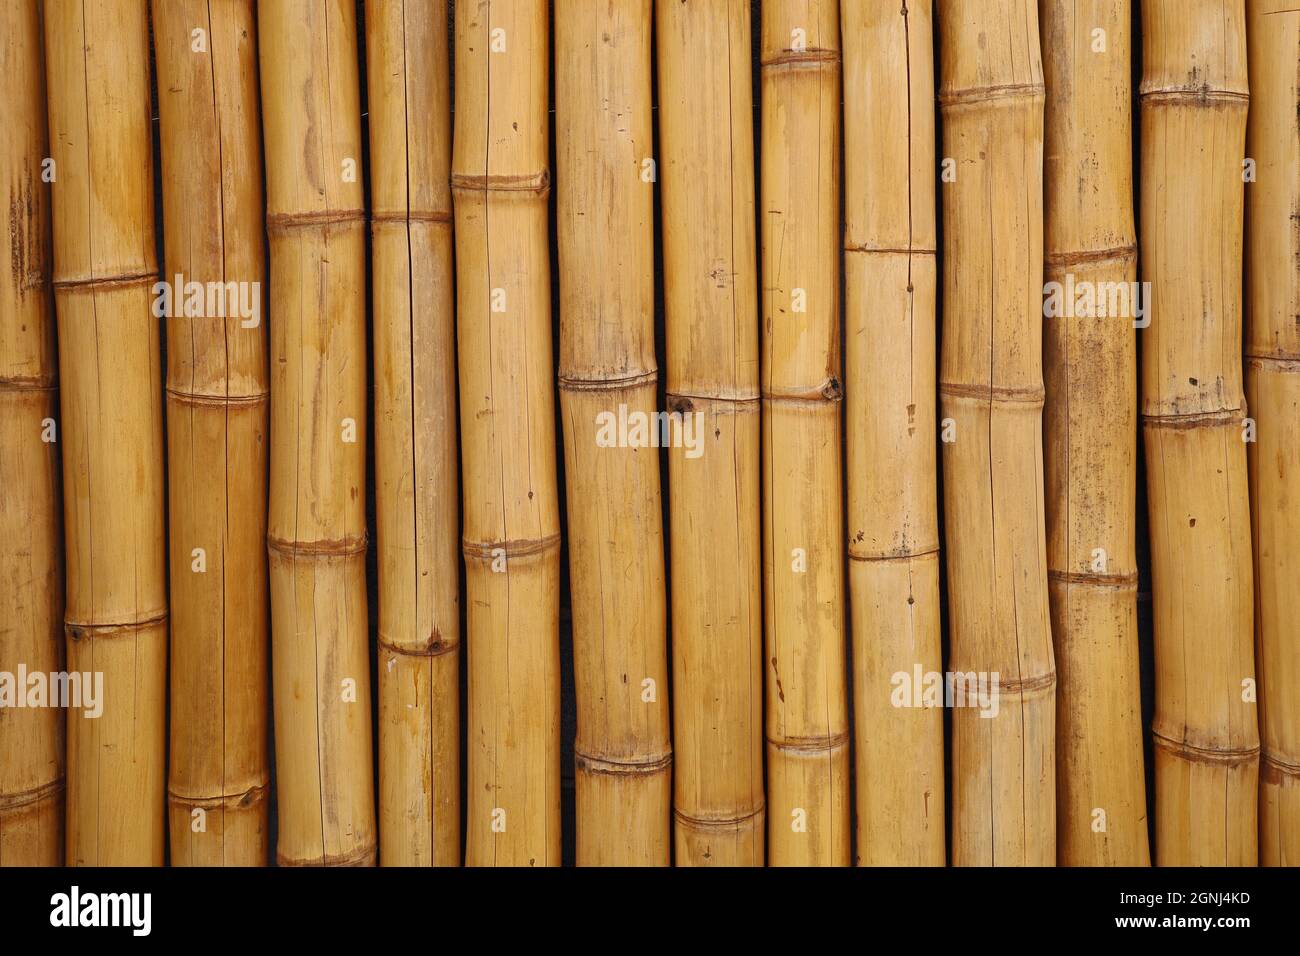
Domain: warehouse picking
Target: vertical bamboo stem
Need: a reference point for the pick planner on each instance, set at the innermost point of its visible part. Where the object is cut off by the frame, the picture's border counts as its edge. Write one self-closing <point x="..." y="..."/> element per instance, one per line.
<point x="316" y="532"/>
<point x="216" y="423"/>
<point x="1194" y="105"/>
<point x="607" y="367"/>
<point x="31" y="546"/>
<point x="500" y="182"/>
<point x="803" y="524"/>
<point x="97" y="62"/>
<point x="1091" y="427"/>
<point x="991" y="389"/>
<point x="1273" y="395"/>
<point x="890" y="288"/>
<point x="707" y="150"/>
<point x="417" y="504"/>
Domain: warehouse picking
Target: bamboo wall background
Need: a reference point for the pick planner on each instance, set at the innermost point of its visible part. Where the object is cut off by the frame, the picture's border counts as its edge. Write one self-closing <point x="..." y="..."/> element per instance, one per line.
<point x="471" y="236"/>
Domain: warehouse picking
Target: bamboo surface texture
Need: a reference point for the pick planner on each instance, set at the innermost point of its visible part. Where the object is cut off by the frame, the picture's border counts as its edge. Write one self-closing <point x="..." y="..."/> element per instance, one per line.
<point x="605" y="209"/>
<point x="711" y="328"/>
<point x="1194" y="104"/>
<point x="217" y="397"/>
<point x="105" y="265"/>
<point x="1091" y="430"/>
<point x="890" y="283"/>
<point x="416" y="465"/>
<point x="1273" y="396"/>
<point x="991" y="393"/>
<point x="803" y="520"/>
<point x="316" y="535"/>
<point x="501" y="186"/>
<point x="31" y="536"/>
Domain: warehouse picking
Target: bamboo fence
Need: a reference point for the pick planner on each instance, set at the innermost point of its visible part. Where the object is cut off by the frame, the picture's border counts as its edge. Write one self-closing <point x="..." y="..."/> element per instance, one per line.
<point x="803" y="520"/>
<point x="416" y="464"/>
<point x="1194" y="104"/>
<point x="31" y="536"/>
<point x="605" y="210"/>
<point x="890" y="280"/>
<point x="711" y="328"/>
<point x="105" y="268"/>
<point x="217" y="397"/>
<point x="316" y="533"/>
<point x="501" y="185"/>
<point x="1091" y="430"/>
<point x="991" y="397"/>
<point x="1273" y="396"/>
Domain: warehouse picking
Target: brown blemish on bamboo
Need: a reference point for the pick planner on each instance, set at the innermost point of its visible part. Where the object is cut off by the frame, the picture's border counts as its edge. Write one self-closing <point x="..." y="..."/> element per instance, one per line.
<point x="316" y="529"/>
<point x="1193" y="144"/>
<point x="1273" y="393"/>
<point x="890" y="381"/>
<point x="991" y="101"/>
<point x="1090" y="426"/>
<point x="417" y="491"/>
<point x="32" y="751"/>
<point x="97" y="63"/>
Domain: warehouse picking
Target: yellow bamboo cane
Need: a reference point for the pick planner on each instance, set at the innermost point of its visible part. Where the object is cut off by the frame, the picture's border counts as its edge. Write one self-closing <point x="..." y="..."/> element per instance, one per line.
<point x="803" y="526"/>
<point x="1273" y="394"/>
<point x="500" y="182"/>
<point x="217" y="430"/>
<point x="31" y="537"/>
<point x="105" y="266"/>
<point x="890" y="282"/>
<point x="1091" y="429"/>
<point x="417" y="508"/>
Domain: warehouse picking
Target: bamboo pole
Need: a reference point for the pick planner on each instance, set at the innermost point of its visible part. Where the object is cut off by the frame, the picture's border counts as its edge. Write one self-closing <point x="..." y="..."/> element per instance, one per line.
<point x="1194" y="104"/>
<point x="803" y="524"/>
<point x="417" y="504"/>
<point x="97" y="62"/>
<point x="604" y="135"/>
<point x="1091" y="428"/>
<point x="890" y="287"/>
<point x="991" y="391"/>
<point x="316" y="527"/>
<point x="707" y="150"/>
<point x="31" y="545"/>
<point x="500" y="182"/>
<point x="216" y="423"/>
<point x="1273" y="396"/>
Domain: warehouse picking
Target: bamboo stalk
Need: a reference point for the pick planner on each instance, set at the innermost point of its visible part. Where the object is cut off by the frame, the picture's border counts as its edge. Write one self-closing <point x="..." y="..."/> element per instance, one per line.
<point x="316" y="532"/>
<point x="1194" y="104"/>
<point x="31" y="545"/>
<point x="991" y="392"/>
<point x="500" y="182"/>
<point x="1091" y="427"/>
<point x="707" y="150"/>
<point x="97" y="62"/>
<point x="623" y="753"/>
<point x="1273" y="394"/>
<point x="417" y="504"/>
<point x="803" y="524"/>
<point x="890" y="287"/>
<point x="216" y="423"/>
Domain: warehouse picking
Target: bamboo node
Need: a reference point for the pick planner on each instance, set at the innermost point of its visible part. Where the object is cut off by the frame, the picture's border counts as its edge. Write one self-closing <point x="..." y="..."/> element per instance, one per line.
<point x="80" y="630"/>
<point x="339" y="547"/>
<point x="434" y="646"/>
<point x="28" y="383"/>
<point x="977" y="95"/>
<point x="809" y="745"/>
<point x="807" y="59"/>
<point x="1182" y="95"/>
<point x="634" y="766"/>
<point x="95" y="283"/>
<point x="1187" y="420"/>
<point x="896" y="555"/>
<point x="1273" y="768"/>
<point x="183" y="397"/>
<point x="516" y="548"/>
<point x="617" y="383"/>
<point x="865" y="249"/>
<point x="1116" y="254"/>
<point x="1225" y="756"/>
<point x="231" y="801"/>
<point x="1127" y="581"/>
<point x="25" y="798"/>
<point x="362" y="856"/>
<point x="281" y="223"/>
<point x="529" y="185"/>
<point x="405" y="216"/>
<point x="995" y="394"/>
<point x="732" y="821"/>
